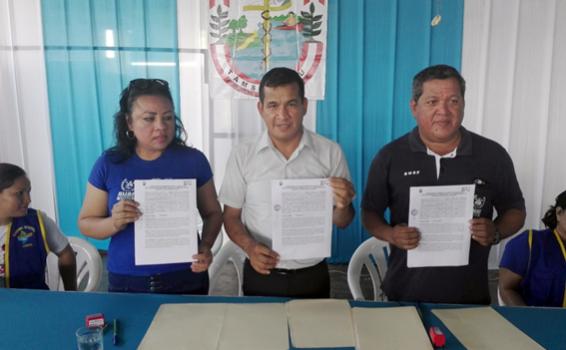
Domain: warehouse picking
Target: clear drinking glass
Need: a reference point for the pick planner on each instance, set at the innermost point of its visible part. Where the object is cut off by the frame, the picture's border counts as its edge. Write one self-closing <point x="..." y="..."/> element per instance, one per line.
<point x="90" y="338"/>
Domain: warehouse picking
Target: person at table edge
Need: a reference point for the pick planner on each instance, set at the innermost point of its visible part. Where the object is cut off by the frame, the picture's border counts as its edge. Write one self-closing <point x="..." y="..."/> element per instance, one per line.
<point x="532" y="270"/>
<point x="27" y="236"/>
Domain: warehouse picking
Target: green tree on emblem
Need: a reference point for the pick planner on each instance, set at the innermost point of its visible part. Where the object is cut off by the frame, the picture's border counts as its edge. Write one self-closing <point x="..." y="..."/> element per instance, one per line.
<point x="240" y="24"/>
<point x="243" y="23"/>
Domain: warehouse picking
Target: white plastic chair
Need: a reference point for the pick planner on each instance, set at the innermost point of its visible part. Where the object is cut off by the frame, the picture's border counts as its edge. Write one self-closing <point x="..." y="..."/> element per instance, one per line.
<point x="229" y="252"/>
<point x="89" y="267"/>
<point x="499" y="298"/>
<point x="371" y="254"/>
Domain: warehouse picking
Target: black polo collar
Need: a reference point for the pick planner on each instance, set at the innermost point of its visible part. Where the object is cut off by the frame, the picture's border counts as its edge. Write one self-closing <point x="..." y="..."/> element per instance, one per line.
<point x="464" y="148"/>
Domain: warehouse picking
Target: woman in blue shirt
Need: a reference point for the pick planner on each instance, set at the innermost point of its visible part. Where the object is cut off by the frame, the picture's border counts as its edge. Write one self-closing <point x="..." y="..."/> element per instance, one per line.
<point x="150" y="144"/>
<point x="533" y="268"/>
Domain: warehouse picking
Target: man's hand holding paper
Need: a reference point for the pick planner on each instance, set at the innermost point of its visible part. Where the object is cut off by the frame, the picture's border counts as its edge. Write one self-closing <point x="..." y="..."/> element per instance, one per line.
<point x="343" y="192"/>
<point x="262" y="258"/>
<point x="405" y="237"/>
<point x="483" y="231"/>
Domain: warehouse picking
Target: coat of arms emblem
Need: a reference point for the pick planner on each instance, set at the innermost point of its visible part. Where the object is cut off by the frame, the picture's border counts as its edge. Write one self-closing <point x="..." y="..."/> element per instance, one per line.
<point x="247" y="38"/>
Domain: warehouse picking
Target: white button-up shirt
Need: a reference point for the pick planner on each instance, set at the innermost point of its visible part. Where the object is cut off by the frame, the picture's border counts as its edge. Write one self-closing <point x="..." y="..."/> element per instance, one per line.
<point x="253" y="165"/>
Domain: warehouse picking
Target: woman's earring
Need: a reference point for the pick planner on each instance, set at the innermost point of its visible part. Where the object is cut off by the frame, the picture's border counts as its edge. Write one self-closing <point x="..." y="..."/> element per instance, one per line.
<point x="130" y="134"/>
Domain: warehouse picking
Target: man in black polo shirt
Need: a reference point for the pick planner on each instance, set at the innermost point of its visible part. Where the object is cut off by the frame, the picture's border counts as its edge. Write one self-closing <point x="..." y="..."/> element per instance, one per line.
<point x="439" y="151"/>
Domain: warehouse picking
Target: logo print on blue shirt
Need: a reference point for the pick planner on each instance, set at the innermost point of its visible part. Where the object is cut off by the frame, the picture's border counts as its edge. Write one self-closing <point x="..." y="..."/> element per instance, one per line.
<point x="23" y="234"/>
<point x="127" y="190"/>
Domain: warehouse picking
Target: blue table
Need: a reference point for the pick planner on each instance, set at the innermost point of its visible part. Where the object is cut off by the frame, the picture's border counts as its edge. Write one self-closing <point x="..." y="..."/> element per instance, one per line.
<point x="546" y="326"/>
<point x="47" y="320"/>
<point x="33" y="319"/>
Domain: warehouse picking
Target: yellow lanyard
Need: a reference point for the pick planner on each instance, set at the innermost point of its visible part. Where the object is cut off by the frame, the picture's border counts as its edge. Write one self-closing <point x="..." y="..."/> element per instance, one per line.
<point x="561" y="244"/>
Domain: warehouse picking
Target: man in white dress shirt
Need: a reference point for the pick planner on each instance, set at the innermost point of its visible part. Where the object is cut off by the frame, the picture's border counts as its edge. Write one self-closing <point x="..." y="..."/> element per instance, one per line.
<point x="284" y="151"/>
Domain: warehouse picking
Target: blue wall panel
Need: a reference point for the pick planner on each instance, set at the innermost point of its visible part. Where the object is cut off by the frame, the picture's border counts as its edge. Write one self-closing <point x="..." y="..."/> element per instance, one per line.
<point x="375" y="47"/>
<point x="86" y="73"/>
<point x="351" y="38"/>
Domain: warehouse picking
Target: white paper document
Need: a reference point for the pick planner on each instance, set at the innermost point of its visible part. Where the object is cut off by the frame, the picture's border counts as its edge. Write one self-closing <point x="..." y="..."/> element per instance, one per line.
<point x="166" y="232"/>
<point x="258" y="326"/>
<point x="185" y="327"/>
<point x="208" y="326"/>
<point x="320" y="323"/>
<point x="389" y="328"/>
<point x="483" y="328"/>
<point x="442" y="215"/>
<point x="301" y="215"/>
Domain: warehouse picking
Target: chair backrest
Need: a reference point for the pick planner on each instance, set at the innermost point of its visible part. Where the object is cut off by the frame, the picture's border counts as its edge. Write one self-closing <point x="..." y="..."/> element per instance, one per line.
<point x="371" y="254"/>
<point x="499" y="298"/>
<point x="89" y="267"/>
<point x="229" y="252"/>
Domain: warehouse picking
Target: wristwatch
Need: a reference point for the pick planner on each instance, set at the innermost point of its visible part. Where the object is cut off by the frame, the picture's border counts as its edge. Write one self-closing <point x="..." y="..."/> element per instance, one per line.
<point x="497" y="237"/>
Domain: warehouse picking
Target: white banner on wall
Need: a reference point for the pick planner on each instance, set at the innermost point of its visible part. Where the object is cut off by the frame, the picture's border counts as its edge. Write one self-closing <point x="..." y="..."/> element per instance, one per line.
<point x="249" y="37"/>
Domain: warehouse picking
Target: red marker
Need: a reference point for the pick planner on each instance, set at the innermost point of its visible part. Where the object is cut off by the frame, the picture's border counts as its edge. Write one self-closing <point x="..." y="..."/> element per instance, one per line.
<point x="437" y="337"/>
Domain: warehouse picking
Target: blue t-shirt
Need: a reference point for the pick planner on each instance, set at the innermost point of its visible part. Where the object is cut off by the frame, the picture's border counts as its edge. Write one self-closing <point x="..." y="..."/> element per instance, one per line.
<point x="117" y="179"/>
<point x="545" y="281"/>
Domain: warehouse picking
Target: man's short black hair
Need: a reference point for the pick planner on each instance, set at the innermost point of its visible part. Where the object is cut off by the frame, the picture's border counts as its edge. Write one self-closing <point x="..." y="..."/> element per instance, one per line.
<point x="281" y="76"/>
<point x="441" y="71"/>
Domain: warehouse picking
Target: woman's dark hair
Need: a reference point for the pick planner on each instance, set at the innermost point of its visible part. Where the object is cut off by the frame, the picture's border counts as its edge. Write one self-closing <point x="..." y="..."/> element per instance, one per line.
<point x="9" y="173"/>
<point x="125" y="145"/>
<point x="549" y="219"/>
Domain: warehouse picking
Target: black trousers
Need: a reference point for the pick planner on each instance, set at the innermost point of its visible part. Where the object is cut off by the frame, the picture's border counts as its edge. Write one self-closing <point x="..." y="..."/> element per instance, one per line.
<point x="308" y="283"/>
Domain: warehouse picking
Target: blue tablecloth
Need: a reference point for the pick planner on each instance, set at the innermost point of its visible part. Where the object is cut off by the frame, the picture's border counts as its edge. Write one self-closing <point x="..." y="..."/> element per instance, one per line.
<point x="546" y="326"/>
<point x="47" y="320"/>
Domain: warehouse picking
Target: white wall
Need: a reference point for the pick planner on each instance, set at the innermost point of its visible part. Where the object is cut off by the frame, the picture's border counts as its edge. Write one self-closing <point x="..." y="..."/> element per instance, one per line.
<point x="514" y="62"/>
<point x="25" y="137"/>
